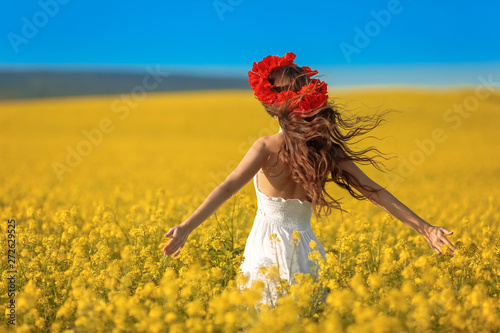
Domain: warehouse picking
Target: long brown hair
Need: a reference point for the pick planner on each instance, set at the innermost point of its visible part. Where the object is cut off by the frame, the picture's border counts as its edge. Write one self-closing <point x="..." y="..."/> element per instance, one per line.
<point x="313" y="146"/>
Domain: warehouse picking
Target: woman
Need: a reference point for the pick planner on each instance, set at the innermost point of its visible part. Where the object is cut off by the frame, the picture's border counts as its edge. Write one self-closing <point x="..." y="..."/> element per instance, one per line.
<point x="290" y="170"/>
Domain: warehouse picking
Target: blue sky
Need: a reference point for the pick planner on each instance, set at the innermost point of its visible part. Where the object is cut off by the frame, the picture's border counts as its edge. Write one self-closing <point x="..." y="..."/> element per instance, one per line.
<point x="420" y="41"/>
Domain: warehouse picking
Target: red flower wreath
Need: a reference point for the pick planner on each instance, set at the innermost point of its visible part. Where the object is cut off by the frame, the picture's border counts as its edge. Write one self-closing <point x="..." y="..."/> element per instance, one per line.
<point x="258" y="78"/>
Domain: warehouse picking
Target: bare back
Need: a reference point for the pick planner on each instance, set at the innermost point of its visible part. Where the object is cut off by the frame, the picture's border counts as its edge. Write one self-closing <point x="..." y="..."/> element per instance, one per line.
<point x="274" y="179"/>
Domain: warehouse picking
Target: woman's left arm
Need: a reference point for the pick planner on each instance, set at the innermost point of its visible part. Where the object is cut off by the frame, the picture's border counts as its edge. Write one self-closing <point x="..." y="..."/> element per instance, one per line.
<point x="241" y="175"/>
<point x="435" y="236"/>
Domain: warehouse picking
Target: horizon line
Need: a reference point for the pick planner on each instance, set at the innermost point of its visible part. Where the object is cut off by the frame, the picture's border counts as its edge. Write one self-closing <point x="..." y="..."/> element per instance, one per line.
<point x="418" y="74"/>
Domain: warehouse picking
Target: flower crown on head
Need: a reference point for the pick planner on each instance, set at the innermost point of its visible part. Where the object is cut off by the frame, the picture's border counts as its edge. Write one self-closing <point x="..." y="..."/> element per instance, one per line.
<point x="258" y="78"/>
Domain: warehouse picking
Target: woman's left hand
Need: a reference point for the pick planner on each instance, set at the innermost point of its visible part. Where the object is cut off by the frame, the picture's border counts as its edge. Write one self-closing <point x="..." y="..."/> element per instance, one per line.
<point x="179" y="234"/>
<point x="436" y="238"/>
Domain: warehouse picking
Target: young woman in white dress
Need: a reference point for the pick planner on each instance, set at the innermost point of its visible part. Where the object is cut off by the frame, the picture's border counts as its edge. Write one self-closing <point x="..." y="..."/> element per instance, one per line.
<point x="290" y="170"/>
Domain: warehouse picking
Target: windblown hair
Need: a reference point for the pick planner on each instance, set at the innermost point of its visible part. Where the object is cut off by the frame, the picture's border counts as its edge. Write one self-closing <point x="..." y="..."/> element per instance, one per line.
<point x="314" y="146"/>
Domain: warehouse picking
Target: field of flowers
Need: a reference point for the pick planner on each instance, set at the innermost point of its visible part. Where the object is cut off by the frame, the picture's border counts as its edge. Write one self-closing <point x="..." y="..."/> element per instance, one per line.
<point x="93" y="183"/>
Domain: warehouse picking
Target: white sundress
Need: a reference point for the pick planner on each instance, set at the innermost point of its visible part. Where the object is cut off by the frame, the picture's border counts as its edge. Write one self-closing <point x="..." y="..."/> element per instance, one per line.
<point x="280" y="217"/>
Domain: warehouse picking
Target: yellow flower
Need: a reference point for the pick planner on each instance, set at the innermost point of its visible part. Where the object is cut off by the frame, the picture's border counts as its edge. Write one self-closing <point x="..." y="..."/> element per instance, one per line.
<point x="216" y="244"/>
<point x="374" y="281"/>
<point x="358" y="285"/>
<point x="341" y="300"/>
<point x="195" y="308"/>
<point x="98" y="260"/>
<point x="295" y="238"/>
<point x="170" y="317"/>
<point x="274" y="237"/>
<point x="216" y="273"/>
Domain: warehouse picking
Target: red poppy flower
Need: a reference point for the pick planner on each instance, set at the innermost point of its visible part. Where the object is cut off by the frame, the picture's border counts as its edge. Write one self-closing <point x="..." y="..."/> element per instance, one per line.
<point x="258" y="78"/>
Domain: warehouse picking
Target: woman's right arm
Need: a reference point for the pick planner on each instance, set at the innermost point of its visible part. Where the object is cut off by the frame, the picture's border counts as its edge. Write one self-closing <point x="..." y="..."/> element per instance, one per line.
<point x="242" y="174"/>
<point x="435" y="236"/>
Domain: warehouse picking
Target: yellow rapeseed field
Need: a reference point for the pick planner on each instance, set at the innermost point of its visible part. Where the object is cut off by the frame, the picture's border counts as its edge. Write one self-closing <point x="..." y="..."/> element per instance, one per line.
<point x="92" y="184"/>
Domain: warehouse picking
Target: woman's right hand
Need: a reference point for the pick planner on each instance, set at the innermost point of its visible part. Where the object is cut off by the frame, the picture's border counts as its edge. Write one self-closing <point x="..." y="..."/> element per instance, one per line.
<point x="179" y="234"/>
<point x="435" y="236"/>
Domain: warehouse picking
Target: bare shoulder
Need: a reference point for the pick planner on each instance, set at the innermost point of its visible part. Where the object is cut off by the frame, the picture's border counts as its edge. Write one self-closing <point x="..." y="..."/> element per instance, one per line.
<point x="270" y="143"/>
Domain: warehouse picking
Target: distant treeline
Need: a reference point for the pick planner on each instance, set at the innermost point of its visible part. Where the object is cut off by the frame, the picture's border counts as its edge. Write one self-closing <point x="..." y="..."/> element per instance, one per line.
<point x="36" y="84"/>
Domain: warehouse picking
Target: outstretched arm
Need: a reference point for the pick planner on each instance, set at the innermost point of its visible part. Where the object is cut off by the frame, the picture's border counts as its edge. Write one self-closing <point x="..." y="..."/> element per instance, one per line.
<point x="435" y="236"/>
<point x="242" y="174"/>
